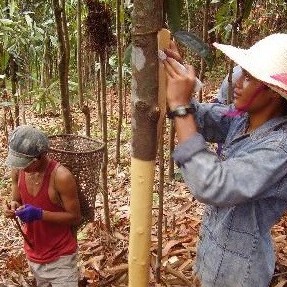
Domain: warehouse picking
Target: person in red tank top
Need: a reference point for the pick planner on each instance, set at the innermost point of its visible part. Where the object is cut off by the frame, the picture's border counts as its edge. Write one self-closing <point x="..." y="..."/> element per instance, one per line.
<point x="44" y="197"/>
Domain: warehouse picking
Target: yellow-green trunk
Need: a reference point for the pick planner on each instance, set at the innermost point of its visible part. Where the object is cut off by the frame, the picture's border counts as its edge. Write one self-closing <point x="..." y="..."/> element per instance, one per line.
<point x="140" y="221"/>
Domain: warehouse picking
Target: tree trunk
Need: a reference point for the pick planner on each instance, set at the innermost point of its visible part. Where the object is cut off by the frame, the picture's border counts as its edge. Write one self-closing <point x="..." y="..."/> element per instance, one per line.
<point x="14" y="91"/>
<point x="163" y="43"/>
<point x="99" y="102"/>
<point x="188" y="22"/>
<point x="105" y="140"/>
<point x="120" y="80"/>
<point x="84" y="108"/>
<point x="63" y="63"/>
<point x="145" y="114"/>
<point x="13" y="68"/>
<point x="204" y="38"/>
<point x="160" y="208"/>
<point x="126" y="91"/>
<point x="79" y="54"/>
<point x="46" y="65"/>
<point x="234" y="34"/>
<point x="171" y="146"/>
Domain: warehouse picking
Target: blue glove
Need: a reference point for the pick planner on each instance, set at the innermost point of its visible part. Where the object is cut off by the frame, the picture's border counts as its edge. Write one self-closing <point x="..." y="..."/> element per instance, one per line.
<point x="29" y="213"/>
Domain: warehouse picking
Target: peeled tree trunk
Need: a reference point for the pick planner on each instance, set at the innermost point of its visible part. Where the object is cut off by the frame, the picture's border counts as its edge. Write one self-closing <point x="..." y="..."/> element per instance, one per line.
<point x="145" y="115"/>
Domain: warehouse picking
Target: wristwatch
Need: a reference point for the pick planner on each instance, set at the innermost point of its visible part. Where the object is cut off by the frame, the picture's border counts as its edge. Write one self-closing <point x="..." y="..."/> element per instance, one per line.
<point x="181" y="111"/>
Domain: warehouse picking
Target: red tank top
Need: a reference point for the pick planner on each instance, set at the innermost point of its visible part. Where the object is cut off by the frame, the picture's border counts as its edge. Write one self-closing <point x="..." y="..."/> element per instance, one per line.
<point x="49" y="239"/>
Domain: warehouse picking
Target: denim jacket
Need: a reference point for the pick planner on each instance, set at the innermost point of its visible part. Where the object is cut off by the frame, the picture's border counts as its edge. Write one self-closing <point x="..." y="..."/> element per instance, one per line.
<point x="245" y="192"/>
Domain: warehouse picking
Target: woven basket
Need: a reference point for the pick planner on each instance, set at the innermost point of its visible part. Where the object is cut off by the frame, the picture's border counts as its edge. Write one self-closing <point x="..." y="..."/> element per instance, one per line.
<point x="83" y="157"/>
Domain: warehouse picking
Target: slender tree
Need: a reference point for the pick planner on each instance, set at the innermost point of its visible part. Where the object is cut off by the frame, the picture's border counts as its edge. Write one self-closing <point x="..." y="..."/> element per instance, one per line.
<point x="63" y="62"/>
<point x="163" y="42"/>
<point x="101" y="39"/>
<point x="120" y="78"/>
<point x="79" y="53"/>
<point x="14" y="68"/>
<point x="102" y="58"/>
<point x="204" y="38"/>
<point x="171" y="146"/>
<point x="98" y="96"/>
<point x="84" y="107"/>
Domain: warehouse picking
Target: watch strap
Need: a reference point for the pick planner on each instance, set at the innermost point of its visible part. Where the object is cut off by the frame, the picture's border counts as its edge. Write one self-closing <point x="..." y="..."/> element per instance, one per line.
<point x="181" y="111"/>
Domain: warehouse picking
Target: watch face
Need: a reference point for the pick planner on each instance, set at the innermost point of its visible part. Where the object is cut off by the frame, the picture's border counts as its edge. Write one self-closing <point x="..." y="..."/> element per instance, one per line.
<point x="181" y="111"/>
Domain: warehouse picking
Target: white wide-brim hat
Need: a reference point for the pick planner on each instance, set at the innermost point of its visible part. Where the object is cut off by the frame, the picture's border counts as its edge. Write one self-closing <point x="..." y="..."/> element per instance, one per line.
<point x="266" y="61"/>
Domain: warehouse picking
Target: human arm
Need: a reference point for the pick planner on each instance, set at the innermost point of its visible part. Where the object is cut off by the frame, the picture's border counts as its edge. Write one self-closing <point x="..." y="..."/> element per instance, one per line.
<point x="248" y="174"/>
<point x="11" y="207"/>
<point x="212" y="120"/>
<point x="209" y="119"/>
<point x="241" y="176"/>
<point x="65" y="186"/>
<point x="180" y="86"/>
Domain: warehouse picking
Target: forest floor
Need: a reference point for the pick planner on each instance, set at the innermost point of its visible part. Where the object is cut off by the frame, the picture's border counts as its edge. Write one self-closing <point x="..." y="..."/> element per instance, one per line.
<point x="103" y="256"/>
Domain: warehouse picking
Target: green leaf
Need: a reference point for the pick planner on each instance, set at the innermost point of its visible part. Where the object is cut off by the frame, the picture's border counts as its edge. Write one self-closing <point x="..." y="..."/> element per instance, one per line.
<point x="6" y="21"/>
<point x="29" y="20"/>
<point x="12" y="8"/>
<point x="223" y="13"/>
<point x="54" y="41"/>
<point x="122" y="14"/>
<point x="196" y="45"/>
<point x="47" y="23"/>
<point x="4" y="60"/>
<point x="39" y="30"/>
<point x="247" y="8"/>
<point x="173" y="10"/>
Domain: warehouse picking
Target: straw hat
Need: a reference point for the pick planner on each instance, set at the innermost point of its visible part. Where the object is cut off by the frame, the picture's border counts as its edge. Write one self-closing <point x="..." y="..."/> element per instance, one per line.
<point x="266" y="61"/>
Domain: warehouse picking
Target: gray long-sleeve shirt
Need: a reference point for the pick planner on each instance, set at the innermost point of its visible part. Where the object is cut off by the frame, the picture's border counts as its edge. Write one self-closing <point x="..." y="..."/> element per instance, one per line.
<point x="245" y="190"/>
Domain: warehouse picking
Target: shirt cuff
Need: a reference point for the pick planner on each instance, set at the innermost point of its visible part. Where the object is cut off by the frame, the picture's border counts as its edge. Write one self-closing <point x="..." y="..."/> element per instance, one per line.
<point x="184" y="151"/>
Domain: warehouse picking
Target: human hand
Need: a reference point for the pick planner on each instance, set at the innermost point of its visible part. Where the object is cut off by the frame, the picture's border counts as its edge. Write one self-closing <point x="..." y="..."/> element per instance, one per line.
<point x="180" y="83"/>
<point x="172" y="52"/>
<point x="181" y="79"/>
<point x="29" y="213"/>
<point x="10" y="208"/>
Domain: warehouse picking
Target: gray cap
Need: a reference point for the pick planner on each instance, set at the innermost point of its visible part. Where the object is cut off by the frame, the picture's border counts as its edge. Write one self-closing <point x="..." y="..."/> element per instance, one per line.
<point x="25" y="144"/>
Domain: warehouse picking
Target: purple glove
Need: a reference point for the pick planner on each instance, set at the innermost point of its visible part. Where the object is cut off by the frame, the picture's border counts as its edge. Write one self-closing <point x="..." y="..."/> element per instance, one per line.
<point x="29" y="213"/>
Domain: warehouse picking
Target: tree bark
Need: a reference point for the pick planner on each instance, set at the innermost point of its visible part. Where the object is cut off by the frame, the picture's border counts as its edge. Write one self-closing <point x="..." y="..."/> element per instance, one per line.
<point x="63" y="62"/>
<point x="171" y="146"/>
<point x="84" y="107"/>
<point x="14" y="68"/>
<point x="45" y="64"/>
<point x="120" y="81"/>
<point x="98" y="96"/>
<point x="204" y="38"/>
<point x="105" y="140"/>
<point x="79" y="54"/>
<point x="234" y="34"/>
